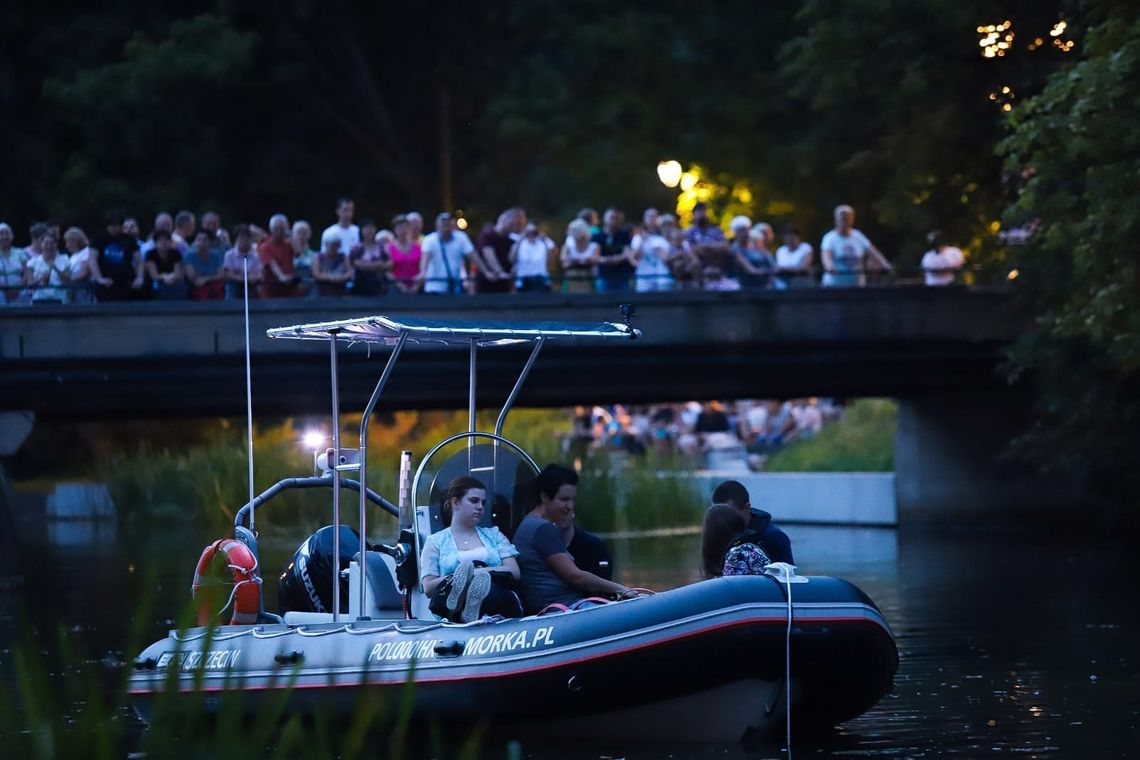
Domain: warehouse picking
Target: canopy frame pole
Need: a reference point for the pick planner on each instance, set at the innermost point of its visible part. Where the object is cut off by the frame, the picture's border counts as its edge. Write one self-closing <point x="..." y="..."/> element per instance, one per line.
<point x="474" y="350"/>
<point x="365" y="420"/>
<point x="510" y="402"/>
<point x="334" y="466"/>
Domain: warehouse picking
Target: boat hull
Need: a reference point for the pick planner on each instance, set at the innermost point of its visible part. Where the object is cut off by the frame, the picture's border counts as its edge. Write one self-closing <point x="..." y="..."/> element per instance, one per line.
<point x="703" y="662"/>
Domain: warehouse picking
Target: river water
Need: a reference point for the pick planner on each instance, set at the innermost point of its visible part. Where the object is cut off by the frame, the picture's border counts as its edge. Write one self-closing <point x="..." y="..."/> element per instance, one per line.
<point x="1012" y="642"/>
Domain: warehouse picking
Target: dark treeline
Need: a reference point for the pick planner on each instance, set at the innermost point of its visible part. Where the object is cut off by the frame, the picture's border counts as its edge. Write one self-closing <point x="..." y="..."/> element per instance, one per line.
<point x="252" y="109"/>
<point x="909" y="110"/>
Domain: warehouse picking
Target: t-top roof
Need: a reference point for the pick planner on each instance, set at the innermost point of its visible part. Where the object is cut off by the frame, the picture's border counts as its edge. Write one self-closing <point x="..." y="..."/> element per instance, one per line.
<point x="387" y="330"/>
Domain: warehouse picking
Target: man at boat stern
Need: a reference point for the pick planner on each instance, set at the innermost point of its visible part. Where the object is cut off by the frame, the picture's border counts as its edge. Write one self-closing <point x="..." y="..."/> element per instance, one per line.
<point x="773" y="541"/>
<point x="589" y="551"/>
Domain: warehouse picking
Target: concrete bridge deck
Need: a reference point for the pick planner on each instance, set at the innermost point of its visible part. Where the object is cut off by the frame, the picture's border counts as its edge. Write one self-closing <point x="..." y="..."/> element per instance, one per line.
<point x="154" y="360"/>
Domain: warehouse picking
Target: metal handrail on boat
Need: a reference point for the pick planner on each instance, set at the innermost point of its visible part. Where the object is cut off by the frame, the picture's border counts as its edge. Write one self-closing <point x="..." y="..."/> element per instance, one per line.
<point x="324" y="481"/>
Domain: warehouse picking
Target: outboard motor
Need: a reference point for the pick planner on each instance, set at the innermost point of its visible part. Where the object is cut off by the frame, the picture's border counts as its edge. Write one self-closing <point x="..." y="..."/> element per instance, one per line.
<point x="306" y="582"/>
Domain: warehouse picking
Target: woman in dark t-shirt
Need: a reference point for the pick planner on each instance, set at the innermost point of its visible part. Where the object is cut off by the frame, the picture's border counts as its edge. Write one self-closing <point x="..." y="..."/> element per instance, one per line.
<point x="164" y="268"/>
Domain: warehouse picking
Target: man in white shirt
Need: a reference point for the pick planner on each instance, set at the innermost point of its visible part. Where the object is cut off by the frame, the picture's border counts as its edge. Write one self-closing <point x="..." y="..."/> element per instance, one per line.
<point x="942" y="262"/>
<point x="845" y="252"/>
<point x="445" y="254"/>
<point x="344" y="229"/>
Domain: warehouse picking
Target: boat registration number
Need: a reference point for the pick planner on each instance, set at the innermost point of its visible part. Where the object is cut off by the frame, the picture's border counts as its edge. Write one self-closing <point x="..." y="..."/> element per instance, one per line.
<point x="217" y="659"/>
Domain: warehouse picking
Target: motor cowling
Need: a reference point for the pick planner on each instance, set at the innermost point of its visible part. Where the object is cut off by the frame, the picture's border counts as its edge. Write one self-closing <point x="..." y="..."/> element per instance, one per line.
<point x="306" y="583"/>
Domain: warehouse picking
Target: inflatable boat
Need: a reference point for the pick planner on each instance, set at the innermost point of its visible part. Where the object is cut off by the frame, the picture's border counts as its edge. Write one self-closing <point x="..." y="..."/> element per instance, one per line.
<point x="712" y="661"/>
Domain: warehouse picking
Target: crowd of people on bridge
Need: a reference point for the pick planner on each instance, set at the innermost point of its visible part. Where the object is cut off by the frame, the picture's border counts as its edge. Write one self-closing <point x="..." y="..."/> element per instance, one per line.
<point x="184" y="257"/>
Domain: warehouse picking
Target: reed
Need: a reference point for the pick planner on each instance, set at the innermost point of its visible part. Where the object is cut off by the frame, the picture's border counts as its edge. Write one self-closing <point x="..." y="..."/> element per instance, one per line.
<point x="64" y="703"/>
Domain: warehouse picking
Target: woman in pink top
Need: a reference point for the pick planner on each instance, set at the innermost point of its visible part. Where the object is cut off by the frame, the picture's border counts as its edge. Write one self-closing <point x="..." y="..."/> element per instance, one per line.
<point x="405" y="253"/>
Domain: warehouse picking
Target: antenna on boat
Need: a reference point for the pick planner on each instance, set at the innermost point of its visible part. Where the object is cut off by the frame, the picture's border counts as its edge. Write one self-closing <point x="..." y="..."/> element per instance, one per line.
<point x="248" y="382"/>
<point x="628" y="312"/>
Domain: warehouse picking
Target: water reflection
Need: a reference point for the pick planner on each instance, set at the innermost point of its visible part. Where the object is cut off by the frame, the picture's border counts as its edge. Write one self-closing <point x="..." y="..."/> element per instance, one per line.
<point x="1009" y="642"/>
<point x="81" y="534"/>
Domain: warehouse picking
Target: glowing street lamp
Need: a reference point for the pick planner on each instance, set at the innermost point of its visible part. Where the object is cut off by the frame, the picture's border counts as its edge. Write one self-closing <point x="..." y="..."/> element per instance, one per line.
<point x="669" y="172"/>
<point x="313" y="439"/>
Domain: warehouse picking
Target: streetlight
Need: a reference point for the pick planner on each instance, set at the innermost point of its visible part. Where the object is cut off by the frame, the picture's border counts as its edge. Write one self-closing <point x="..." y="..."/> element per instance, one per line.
<point x="669" y="172"/>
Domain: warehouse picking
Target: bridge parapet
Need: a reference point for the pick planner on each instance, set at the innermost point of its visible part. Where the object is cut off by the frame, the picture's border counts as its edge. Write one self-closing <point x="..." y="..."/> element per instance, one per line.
<point x="113" y="359"/>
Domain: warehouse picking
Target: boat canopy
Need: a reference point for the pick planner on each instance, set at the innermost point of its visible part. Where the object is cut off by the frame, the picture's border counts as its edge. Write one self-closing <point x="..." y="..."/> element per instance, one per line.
<point x="388" y="331"/>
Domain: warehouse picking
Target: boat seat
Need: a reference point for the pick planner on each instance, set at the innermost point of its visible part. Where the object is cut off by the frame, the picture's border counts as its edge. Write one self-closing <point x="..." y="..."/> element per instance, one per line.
<point x="385" y="593"/>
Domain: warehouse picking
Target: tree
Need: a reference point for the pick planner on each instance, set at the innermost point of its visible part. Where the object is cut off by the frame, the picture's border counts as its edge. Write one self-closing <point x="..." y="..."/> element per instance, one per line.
<point x="1078" y="142"/>
<point x="890" y="105"/>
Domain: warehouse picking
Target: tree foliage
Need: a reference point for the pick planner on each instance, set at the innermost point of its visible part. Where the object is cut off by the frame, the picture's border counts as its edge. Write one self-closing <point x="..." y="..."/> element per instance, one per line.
<point x="552" y="104"/>
<point x="1079" y="143"/>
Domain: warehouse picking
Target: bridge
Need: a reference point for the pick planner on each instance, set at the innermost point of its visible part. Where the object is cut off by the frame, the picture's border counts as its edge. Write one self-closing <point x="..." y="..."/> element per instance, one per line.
<point x="934" y="349"/>
<point x="164" y="360"/>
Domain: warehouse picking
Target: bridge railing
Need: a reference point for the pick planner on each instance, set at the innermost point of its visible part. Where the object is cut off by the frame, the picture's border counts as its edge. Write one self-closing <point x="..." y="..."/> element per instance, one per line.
<point x="87" y="293"/>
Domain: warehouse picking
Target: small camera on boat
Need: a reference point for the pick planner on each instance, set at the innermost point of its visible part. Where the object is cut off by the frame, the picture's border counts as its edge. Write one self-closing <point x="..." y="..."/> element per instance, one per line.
<point x="324" y="461"/>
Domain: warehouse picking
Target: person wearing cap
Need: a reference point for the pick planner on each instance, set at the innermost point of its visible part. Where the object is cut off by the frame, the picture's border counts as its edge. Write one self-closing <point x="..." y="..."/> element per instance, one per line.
<point x="444" y="259"/>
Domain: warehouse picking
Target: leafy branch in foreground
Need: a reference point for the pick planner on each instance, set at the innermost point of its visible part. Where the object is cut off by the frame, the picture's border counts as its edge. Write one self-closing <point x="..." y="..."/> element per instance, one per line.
<point x="1078" y="142"/>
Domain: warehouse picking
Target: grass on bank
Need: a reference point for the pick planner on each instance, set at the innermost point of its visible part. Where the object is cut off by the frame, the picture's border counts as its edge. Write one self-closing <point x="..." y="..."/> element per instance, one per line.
<point x="203" y="481"/>
<point x="862" y="440"/>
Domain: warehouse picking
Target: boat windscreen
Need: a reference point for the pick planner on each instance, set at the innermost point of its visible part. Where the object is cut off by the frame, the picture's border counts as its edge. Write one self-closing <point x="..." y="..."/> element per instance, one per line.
<point x="387" y="330"/>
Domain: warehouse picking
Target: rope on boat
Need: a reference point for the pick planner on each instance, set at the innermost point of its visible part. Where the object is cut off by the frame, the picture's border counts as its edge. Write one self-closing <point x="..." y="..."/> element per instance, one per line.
<point x="788" y="665"/>
<point x="781" y="571"/>
<point x="303" y="631"/>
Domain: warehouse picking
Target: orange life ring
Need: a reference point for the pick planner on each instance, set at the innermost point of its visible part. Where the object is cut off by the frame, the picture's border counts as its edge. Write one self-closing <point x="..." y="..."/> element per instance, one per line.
<point x="246" y="593"/>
